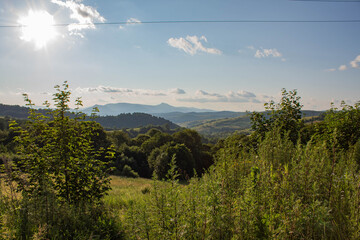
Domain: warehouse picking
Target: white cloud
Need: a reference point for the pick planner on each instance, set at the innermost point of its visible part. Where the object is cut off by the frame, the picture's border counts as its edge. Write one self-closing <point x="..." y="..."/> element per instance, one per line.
<point x="202" y="96"/>
<point x="266" y="96"/>
<point x="355" y="62"/>
<point x="342" y="68"/>
<point x="192" y="45"/>
<point x="177" y="91"/>
<point x="85" y="15"/>
<point x="133" y="21"/>
<point x="130" y="21"/>
<point x="264" y="53"/>
<point x="203" y="93"/>
<point x="245" y="94"/>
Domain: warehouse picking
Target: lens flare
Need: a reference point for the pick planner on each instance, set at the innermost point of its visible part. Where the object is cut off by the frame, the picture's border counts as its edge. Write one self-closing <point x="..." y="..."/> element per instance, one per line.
<point x="37" y="27"/>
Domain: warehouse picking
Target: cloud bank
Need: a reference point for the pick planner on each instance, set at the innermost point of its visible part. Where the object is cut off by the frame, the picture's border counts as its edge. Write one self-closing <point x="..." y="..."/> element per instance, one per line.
<point x="192" y="45"/>
<point x="131" y="92"/>
<point x="202" y="96"/>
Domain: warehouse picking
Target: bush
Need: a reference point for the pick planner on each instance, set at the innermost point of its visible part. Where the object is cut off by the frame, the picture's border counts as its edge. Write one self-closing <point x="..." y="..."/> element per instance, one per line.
<point x="128" y="172"/>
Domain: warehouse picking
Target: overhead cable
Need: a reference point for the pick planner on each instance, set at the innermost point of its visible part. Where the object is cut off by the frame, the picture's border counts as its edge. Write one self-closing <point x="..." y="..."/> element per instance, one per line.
<point x="194" y="21"/>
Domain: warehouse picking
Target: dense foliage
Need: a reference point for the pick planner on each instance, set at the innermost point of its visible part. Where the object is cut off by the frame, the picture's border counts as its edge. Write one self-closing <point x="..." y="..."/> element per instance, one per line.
<point x="151" y="152"/>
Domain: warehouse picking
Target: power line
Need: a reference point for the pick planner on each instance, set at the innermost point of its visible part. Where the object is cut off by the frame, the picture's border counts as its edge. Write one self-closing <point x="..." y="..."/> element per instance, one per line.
<point x="195" y="21"/>
<point x="337" y="1"/>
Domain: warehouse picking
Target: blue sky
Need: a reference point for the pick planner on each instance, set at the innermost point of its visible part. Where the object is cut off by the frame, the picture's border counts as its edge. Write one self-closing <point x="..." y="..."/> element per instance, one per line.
<point x="220" y="66"/>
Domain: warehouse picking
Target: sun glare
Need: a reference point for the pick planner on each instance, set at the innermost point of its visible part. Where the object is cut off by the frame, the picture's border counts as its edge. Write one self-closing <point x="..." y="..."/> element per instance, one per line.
<point x="38" y="27"/>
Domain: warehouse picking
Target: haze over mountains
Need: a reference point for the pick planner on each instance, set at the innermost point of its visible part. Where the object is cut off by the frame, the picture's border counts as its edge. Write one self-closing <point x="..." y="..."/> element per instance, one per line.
<point x="175" y="114"/>
<point x="127" y="115"/>
<point x="117" y="108"/>
<point x="178" y="115"/>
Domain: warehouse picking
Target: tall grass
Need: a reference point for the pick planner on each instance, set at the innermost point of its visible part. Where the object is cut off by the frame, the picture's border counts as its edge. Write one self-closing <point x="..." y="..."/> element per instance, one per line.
<point x="282" y="191"/>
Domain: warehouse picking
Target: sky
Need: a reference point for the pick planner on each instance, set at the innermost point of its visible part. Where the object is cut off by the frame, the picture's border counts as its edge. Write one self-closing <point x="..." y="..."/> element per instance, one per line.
<point x="110" y="52"/>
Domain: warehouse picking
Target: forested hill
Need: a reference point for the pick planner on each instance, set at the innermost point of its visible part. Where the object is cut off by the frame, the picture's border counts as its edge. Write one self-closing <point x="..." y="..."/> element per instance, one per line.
<point x="133" y="120"/>
<point x="15" y="111"/>
<point x="128" y="120"/>
<point x="183" y="117"/>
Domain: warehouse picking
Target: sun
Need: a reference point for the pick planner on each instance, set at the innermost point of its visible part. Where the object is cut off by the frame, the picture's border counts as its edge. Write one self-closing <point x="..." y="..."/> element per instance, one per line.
<point x="37" y="27"/>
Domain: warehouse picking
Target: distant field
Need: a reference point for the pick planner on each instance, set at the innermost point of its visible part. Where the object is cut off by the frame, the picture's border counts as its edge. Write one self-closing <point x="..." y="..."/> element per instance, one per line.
<point x="124" y="191"/>
<point x="221" y="127"/>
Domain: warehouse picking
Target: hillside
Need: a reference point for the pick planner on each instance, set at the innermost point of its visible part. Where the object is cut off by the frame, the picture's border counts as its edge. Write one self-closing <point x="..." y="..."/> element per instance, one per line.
<point x="133" y="120"/>
<point x="180" y="117"/>
<point x="220" y="127"/>
<point x="14" y="111"/>
<point x="120" y="121"/>
<point x="223" y="127"/>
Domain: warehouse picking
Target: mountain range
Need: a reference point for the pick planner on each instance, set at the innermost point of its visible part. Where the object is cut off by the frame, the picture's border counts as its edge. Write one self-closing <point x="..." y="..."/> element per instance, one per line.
<point x="127" y="115"/>
<point x="114" y="109"/>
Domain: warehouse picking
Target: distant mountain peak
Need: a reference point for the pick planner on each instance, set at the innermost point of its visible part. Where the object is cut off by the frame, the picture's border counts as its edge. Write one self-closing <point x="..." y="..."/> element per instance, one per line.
<point x="164" y="104"/>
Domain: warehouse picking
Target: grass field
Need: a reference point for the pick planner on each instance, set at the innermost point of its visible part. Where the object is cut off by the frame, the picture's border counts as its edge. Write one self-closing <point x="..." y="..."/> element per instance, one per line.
<point x="124" y="190"/>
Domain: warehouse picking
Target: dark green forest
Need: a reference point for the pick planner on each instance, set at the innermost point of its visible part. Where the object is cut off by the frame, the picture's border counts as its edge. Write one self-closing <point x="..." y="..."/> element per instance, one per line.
<point x="121" y="121"/>
<point x="290" y="178"/>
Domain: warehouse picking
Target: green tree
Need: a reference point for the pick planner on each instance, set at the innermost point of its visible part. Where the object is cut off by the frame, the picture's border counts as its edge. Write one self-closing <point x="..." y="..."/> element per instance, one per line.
<point x="160" y="158"/>
<point x="155" y="141"/>
<point x="285" y="115"/>
<point x="58" y="154"/>
<point x="119" y="138"/>
<point x="139" y="140"/>
<point x="343" y="125"/>
<point x="192" y="140"/>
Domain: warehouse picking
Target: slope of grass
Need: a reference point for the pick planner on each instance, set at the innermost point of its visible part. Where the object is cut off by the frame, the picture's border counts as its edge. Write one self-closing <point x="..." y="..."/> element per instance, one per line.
<point x="225" y="126"/>
<point x="124" y="190"/>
